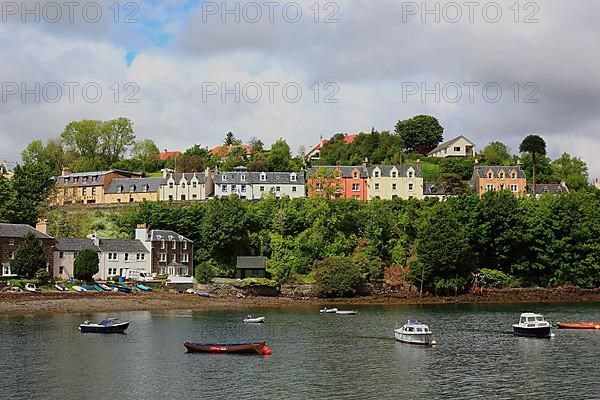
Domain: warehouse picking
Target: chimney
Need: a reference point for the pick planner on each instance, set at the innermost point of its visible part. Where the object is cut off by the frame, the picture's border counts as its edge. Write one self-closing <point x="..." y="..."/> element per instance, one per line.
<point x="42" y="226"/>
<point x="66" y="171"/>
<point x="141" y="232"/>
<point x="94" y="237"/>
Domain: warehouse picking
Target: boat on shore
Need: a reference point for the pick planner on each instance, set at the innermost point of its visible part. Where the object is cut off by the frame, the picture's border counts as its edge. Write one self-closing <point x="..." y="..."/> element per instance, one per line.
<point x="122" y="288"/>
<point x="254" y="320"/>
<point x="578" y="325"/>
<point x="79" y="289"/>
<point x="105" y="287"/>
<point x="532" y="325"/>
<point x="346" y="312"/>
<point x="235" y="348"/>
<point x="328" y="310"/>
<point x="30" y="287"/>
<point x="143" y="288"/>
<point x="414" y="332"/>
<point x="109" y="325"/>
<point x="61" y="288"/>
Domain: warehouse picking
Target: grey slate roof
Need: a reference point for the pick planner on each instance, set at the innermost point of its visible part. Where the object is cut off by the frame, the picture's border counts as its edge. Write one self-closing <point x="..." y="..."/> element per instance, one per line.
<point x="157" y="235"/>
<point x="68" y="244"/>
<point x="100" y="175"/>
<point x="447" y="144"/>
<point x="283" y="178"/>
<point x="201" y="176"/>
<point x="481" y="171"/>
<point x="541" y="188"/>
<point x="251" y="263"/>
<point x="386" y="170"/>
<point x="19" y="231"/>
<point x="139" y="184"/>
<point x="346" y="170"/>
<point x="122" y="246"/>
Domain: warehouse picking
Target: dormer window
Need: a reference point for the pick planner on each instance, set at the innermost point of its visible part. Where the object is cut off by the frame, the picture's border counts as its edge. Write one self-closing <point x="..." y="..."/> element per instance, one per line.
<point x="75" y="180"/>
<point x="94" y="178"/>
<point x="120" y="189"/>
<point x="411" y="174"/>
<point x="293" y="177"/>
<point x="376" y="174"/>
<point x="501" y="175"/>
<point x="394" y="174"/>
<point x="171" y="184"/>
<point x="183" y="185"/>
<point x="513" y="175"/>
<point x="146" y="188"/>
<point x="194" y="184"/>
<point x="67" y="180"/>
<point x="85" y="178"/>
<point x="355" y="175"/>
<point x="243" y="177"/>
<point x="224" y="176"/>
<point x="490" y="175"/>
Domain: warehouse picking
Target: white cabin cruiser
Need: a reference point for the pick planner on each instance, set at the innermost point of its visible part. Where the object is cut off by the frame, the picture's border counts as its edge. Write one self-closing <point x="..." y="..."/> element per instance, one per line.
<point x="532" y="325"/>
<point x="414" y="332"/>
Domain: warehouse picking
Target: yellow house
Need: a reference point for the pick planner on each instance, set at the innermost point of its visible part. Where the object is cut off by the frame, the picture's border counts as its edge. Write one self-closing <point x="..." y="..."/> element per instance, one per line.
<point x="132" y="190"/>
<point x="395" y="181"/>
<point x="495" y="178"/>
<point x="85" y="187"/>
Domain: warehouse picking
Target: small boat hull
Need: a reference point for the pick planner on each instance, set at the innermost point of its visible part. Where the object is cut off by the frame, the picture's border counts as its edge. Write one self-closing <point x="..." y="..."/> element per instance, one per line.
<point x="143" y="288"/>
<point x="424" y="339"/>
<point x="352" y="312"/>
<point x="578" y="325"/>
<point x="61" y="288"/>
<point x="94" y="328"/>
<point x="79" y="289"/>
<point x="239" y="348"/>
<point x="257" y="320"/>
<point x="537" y="332"/>
<point x="328" y="310"/>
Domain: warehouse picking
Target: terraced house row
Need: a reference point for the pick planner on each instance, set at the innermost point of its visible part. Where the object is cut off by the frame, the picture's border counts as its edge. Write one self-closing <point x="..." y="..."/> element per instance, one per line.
<point x="364" y="182"/>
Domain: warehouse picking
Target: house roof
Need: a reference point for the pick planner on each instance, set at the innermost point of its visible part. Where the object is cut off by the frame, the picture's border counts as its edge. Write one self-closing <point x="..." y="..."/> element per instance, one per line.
<point x="251" y="263"/>
<point x="348" y="139"/>
<point x="448" y="143"/>
<point x="346" y="170"/>
<point x="433" y="189"/>
<point x="200" y="176"/>
<point x="165" y="155"/>
<point x="68" y="244"/>
<point x="554" y="188"/>
<point x="138" y="183"/>
<point x="386" y="170"/>
<point x="250" y="178"/>
<point x="122" y="246"/>
<point x="481" y="171"/>
<point x="157" y="235"/>
<point x="19" y="231"/>
<point x="100" y="175"/>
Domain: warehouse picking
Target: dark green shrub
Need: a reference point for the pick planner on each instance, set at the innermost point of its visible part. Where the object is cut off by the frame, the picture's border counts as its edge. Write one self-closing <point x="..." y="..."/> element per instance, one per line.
<point x="86" y="264"/>
<point x="338" y="277"/>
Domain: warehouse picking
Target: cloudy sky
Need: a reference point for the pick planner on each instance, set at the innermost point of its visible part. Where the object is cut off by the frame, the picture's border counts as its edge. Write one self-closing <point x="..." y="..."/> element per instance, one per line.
<point x="187" y="71"/>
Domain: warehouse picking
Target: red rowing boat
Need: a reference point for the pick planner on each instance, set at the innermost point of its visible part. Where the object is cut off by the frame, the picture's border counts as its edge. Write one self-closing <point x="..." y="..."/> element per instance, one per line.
<point x="578" y="325"/>
<point x="238" y="348"/>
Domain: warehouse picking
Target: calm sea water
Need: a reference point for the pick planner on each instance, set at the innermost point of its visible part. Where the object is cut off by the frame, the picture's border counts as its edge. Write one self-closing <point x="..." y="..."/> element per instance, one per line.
<point x="314" y="356"/>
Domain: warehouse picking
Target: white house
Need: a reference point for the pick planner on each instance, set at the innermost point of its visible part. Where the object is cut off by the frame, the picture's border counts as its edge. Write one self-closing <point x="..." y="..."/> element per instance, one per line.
<point x="119" y="255"/>
<point x="457" y="147"/>
<point x="186" y="186"/>
<point x="255" y="185"/>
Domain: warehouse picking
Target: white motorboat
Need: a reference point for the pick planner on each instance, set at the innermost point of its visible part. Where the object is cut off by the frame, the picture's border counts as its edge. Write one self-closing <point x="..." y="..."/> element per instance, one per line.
<point x="346" y="312"/>
<point x="328" y="310"/>
<point x="254" y="320"/>
<point x="60" y="287"/>
<point x="30" y="287"/>
<point x="414" y="332"/>
<point x="532" y="325"/>
<point x="79" y="289"/>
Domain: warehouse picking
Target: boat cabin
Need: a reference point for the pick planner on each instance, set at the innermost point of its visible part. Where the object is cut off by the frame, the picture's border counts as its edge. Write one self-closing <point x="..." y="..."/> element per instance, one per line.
<point x="531" y="318"/>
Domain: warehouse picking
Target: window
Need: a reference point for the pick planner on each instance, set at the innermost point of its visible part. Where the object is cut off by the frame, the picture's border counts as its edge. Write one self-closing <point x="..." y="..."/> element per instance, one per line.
<point x="11" y="242"/>
<point x="293" y="177"/>
<point x="146" y="188"/>
<point x="356" y="187"/>
<point x="514" y="188"/>
<point x="112" y="256"/>
<point x="61" y="270"/>
<point x="65" y="192"/>
<point x="174" y="244"/>
<point x="243" y="178"/>
<point x="501" y="175"/>
<point x="75" y="180"/>
<point x="67" y="180"/>
<point x="131" y="188"/>
<point x="294" y="189"/>
<point x="278" y="188"/>
<point x="394" y="186"/>
<point x="411" y="174"/>
<point x="355" y="175"/>
<point x="183" y="185"/>
<point x="84" y="191"/>
<point x="12" y="255"/>
<point x="490" y="188"/>
<point x="120" y="189"/>
<point x="233" y="188"/>
<point x="174" y="259"/>
<point x="376" y="174"/>
<point x="224" y="176"/>
<point x="263" y="177"/>
<point x="411" y="186"/>
<point x="194" y="184"/>
<point x="74" y="191"/>
<point x="457" y="148"/>
<point x="163" y="257"/>
<point x="394" y="174"/>
<point x="143" y="256"/>
<point x="137" y="256"/>
<point x="319" y="187"/>
<point x="94" y="191"/>
<point x="377" y="186"/>
<point x="171" y="185"/>
<point x="183" y="197"/>
<point x="224" y="188"/>
<point x="184" y="257"/>
<point x="194" y="196"/>
<point x="126" y="256"/>
<point x="262" y="188"/>
<point x="356" y="197"/>
<point x="490" y="175"/>
<point x="170" y="197"/>
<point x="94" y="178"/>
<point x="162" y="244"/>
<point x="61" y="254"/>
<point x="513" y="175"/>
<point x="85" y="178"/>
<point x="501" y="187"/>
<point x="243" y="187"/>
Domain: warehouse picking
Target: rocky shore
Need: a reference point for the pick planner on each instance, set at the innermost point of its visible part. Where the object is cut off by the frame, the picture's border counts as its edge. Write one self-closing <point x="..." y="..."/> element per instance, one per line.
<point x="59" y="302"/>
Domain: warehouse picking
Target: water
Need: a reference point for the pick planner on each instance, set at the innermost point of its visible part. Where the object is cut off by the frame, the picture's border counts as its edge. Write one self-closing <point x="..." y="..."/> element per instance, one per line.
<point x="314" y="356"/>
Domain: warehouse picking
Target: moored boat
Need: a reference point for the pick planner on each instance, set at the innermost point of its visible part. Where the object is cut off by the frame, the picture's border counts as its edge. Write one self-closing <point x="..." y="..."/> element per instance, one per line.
<point x="532" y="325"/>
<point x="328" y="310"/>
<point x="578" y="325"/>
<point x="346" y="312"/>
<point x="235" y="348"/>
<point x="254" y="320"/>
<point x="97" y="288"/>
<point x="105" y="287"/>
<point x="414" y="332"/>
<point x="109" y="325"/>
<point x="122" y="288"/>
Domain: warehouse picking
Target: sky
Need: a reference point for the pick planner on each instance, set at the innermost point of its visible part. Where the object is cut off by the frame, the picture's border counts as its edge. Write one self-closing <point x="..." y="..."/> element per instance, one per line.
<point x="186" y="71"/>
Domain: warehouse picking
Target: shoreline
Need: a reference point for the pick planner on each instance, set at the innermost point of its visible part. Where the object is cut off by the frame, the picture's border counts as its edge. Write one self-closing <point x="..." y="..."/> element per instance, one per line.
<point x="12" y="304"/>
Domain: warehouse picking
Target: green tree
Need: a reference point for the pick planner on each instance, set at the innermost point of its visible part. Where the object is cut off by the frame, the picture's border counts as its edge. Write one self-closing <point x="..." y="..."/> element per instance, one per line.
<point x="32" y="184"/>
<point x="338" y="277"/>
<point x="257" y="145"/>
<point x="7" y="201"/>
<point x="117" y="137"/>
<point x="496" y="153"/>
<point x="571" y="170"/>
<point x="86" y="264"/>
<point x="231" y="140"/>
<point x="421" y="133"/>
<point x="29" y="257"/>
<point x="280" y="156"/>
<point x="145" y="150"/>
<point x="534" y="145"/>
<point x="51" y="155"/>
